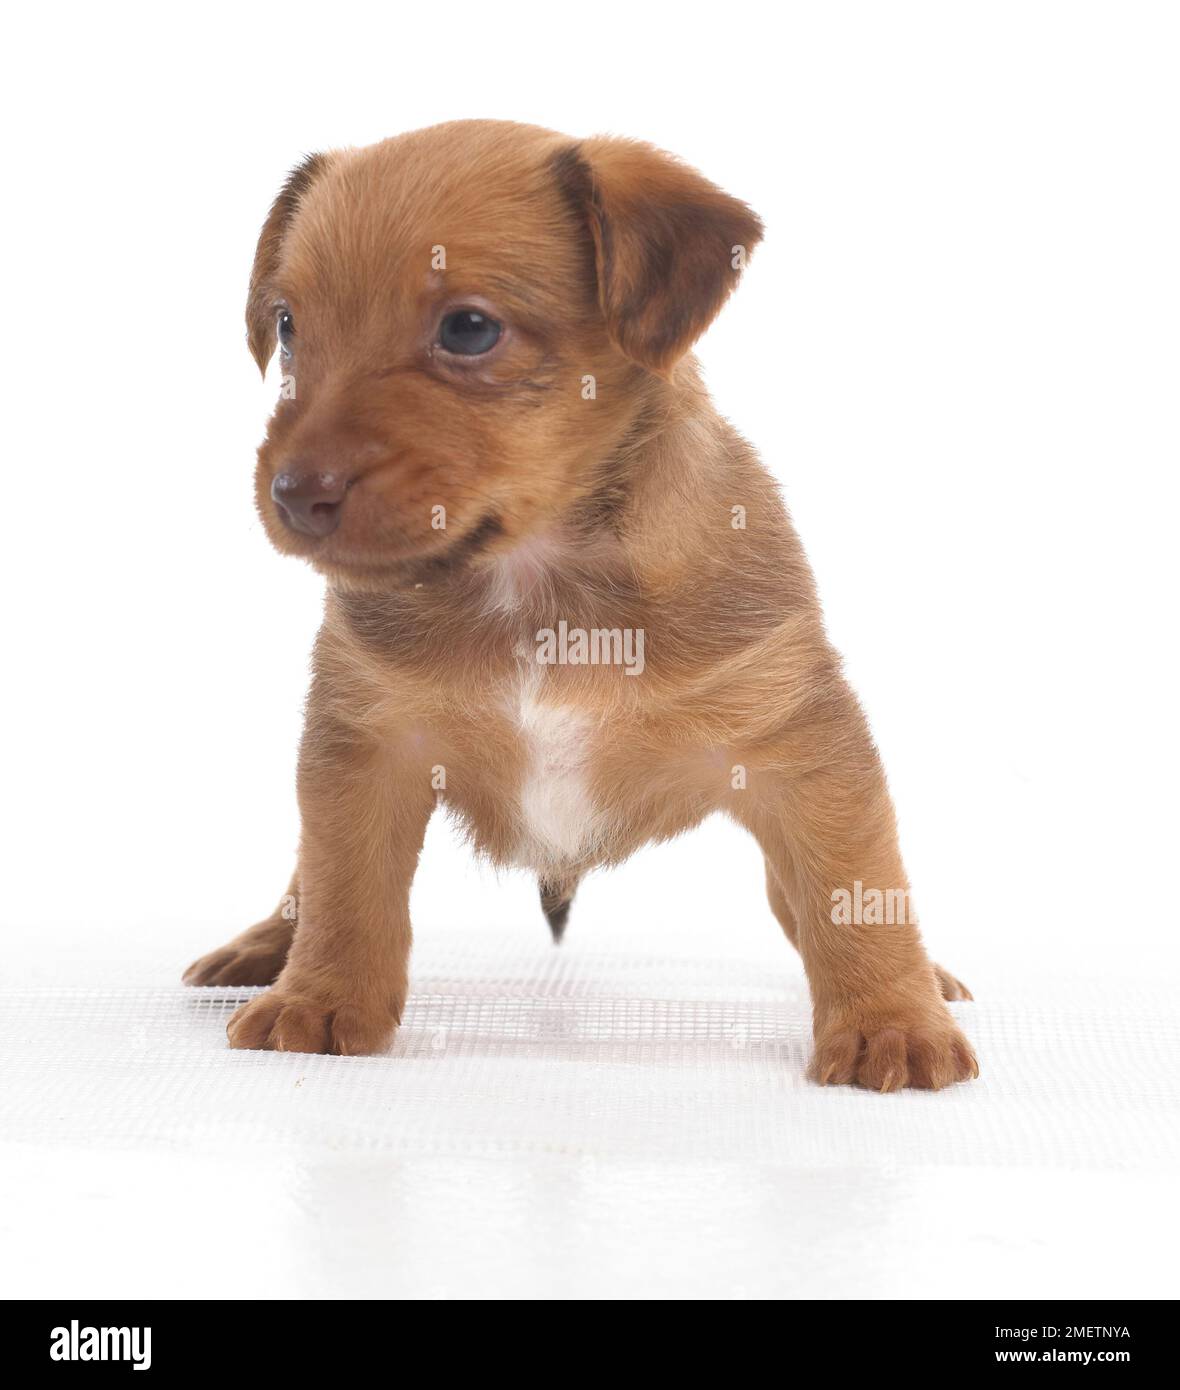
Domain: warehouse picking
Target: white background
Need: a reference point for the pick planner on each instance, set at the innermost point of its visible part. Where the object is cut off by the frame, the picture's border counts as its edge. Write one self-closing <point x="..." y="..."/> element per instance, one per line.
<point x="958" y="349"/>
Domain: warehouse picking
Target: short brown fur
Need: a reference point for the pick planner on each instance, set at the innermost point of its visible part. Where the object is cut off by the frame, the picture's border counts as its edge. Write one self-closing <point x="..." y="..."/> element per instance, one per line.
<point x="603" y="259"/>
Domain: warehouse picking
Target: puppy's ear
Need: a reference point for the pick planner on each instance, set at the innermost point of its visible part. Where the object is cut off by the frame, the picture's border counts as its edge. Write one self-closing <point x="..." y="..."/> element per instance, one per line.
<point x="668" y="244"/>
<point x="260" y="316"/>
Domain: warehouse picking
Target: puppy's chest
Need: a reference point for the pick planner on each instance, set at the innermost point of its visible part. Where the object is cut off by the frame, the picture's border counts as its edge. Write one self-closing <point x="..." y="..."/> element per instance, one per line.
<point x="557" y="821"/>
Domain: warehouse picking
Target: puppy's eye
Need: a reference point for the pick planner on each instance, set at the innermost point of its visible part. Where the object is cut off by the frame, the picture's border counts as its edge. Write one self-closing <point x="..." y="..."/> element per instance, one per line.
<point x="285" y="328"/>
<point x="468" y="333"/>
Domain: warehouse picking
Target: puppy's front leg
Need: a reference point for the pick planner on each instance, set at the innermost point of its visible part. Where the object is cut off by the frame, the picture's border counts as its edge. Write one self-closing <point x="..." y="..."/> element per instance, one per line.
<point x="364" y="805"/>
<point x="830" y="841"/>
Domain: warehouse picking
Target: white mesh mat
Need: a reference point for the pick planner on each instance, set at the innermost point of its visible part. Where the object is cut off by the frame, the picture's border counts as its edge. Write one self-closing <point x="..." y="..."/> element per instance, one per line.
<point x="578" y="1059"/>
<point x="592" y="1122"/>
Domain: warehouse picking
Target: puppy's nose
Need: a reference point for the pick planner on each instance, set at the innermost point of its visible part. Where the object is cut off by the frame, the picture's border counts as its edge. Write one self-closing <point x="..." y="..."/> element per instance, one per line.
<point x="309" y="502"/>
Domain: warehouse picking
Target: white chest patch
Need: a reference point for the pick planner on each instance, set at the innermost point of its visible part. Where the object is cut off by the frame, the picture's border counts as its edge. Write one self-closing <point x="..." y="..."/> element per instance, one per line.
<point x="558" y="820"/>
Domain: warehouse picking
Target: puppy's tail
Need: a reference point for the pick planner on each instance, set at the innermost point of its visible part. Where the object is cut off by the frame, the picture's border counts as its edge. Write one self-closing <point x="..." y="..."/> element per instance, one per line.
<point x="556" y="897"/>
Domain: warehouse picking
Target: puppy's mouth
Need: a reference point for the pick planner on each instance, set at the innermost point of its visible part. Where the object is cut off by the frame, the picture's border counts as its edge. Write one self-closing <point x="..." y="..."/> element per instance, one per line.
<point x="414" y="570"/>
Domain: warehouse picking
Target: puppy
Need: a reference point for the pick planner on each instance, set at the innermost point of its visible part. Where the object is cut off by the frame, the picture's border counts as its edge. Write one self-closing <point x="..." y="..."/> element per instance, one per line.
<point x="564" y="599"/>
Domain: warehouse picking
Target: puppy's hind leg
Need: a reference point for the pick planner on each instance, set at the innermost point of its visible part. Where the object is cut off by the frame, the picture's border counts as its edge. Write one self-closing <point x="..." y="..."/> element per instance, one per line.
<point x="951" y="988"/>
<point x="257" y="955"/>
<point x="557" y="894"/>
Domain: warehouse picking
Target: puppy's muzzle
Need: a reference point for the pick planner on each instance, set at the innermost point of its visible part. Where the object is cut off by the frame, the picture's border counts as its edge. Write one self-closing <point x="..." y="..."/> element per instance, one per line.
<point x="308" y="501"/>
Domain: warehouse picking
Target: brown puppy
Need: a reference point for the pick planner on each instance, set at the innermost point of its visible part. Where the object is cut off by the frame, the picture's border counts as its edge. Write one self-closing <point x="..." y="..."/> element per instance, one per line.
<point x="564" y="598"/>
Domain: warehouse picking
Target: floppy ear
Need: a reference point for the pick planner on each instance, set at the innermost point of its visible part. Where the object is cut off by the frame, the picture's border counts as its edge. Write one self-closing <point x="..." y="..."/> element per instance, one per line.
<point x="260" y="318"/>
<point x="669" y="245"/>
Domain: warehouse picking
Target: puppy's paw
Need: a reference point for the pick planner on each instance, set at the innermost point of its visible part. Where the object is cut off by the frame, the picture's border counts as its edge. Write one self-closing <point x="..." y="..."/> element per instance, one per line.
<point x="893" y="1049"/>
<point x="254" y="958"/>
<point x="950" y="987"/>
<point x="236" y="964"/>
<point x="283" y="1021"/>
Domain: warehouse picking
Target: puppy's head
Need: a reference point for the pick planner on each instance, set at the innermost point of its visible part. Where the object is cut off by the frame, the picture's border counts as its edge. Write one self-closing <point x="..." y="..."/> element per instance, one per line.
<point x="469" y="318"/>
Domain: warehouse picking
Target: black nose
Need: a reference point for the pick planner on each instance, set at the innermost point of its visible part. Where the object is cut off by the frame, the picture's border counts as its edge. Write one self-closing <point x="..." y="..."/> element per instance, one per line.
<point x="309" y="502"/>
